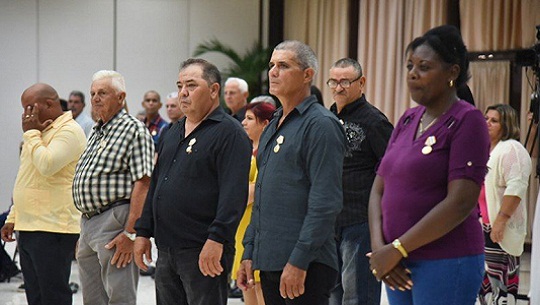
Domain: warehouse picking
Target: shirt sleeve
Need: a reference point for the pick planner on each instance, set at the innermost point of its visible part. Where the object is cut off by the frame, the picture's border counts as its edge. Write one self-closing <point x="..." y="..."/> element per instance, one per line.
<point x="144" y="226"/>
<point x="516" y="168"/>
<point x="65" y="147"/>
<point x="11" y="216"/>
<point x="324" y="150"/>
<point x="381" y="133"/>
<point x="233" y="162"/>
<point x="469" y="149"/>
<point x="141" y="159"/>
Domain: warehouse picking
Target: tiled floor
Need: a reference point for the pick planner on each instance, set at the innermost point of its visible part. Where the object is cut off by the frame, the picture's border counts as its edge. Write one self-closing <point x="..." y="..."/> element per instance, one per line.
<point x="146" y="292"/>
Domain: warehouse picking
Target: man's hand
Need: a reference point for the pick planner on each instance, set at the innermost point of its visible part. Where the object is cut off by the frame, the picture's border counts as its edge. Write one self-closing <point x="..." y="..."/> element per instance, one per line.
<point x="142" y="249"/>
<point x="124" y="250"/>
<point x="30" y="119"/>
<point x="7" y="232"/>
<point x="210" y="257"/>
<point x="292" y="282"/>
<point x="244" y="276"/>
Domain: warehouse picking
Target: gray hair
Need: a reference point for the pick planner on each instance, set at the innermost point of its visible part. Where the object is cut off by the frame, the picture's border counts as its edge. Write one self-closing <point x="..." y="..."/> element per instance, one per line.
<point x="242" y="84"/>
<point x="116" y="78"/>
<point x="348" y="62"/>
<point x="264" y="99"/>
<point x="304" y="54"/>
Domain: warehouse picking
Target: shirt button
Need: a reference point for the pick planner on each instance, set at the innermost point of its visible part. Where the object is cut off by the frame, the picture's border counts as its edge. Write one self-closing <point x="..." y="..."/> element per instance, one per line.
<point x="174" y="160"/>
<point x="259" y="185"/>
<point x="166" y="178"/>
<point x="469" y="163"/>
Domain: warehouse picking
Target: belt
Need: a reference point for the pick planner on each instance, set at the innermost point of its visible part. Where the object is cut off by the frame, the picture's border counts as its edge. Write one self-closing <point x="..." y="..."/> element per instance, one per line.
<point x="109" y="206"/>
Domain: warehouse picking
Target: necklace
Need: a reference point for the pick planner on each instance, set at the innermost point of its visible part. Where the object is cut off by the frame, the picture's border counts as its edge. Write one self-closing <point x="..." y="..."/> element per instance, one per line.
<point x="421" y="128"/>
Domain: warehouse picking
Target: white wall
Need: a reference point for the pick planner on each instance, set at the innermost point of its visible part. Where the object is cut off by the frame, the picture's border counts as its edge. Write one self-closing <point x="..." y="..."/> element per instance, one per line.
<point x="63" y="42"/>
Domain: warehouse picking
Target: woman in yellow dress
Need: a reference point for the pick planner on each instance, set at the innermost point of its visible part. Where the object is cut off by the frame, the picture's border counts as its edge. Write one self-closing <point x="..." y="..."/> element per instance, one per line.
<point x="258" y="115"/>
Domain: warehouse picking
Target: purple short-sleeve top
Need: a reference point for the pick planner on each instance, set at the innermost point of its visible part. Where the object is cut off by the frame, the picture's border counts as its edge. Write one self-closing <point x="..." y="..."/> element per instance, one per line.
<point x="416" y="179"/>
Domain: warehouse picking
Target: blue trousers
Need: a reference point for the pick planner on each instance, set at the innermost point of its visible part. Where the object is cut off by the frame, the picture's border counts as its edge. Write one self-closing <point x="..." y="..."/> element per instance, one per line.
<point x="453" y="281"/>
<point x="356" y="285"/>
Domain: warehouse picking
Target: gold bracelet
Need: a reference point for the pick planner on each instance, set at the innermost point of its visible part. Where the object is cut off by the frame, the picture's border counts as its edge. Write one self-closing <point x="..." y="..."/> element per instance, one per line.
<point x="397" y="245"/>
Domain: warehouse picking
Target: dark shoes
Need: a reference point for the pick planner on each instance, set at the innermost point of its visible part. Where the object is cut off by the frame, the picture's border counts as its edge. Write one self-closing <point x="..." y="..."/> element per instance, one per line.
<point x="235" y="293"/>
<point x="73" y="286"/>
<point x="150" y="272"/>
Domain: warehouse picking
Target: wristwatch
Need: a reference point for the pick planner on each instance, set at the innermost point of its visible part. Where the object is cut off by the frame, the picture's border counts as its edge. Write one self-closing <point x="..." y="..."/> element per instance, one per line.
<point x="397" y="244"/>
<point x="131" y="236"/>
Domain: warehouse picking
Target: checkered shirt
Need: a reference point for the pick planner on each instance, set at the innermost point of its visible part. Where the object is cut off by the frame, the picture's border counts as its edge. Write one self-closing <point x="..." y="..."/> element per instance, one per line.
<point x="118" y="153"/>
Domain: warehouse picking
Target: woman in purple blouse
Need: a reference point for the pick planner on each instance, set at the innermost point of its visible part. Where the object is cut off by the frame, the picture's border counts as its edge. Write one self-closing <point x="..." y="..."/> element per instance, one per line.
<point x="426" y="238"/>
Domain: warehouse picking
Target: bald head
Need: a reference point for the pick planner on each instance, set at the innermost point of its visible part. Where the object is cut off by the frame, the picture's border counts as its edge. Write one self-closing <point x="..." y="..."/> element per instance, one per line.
<point x="46" y="99"/>
<point x="41" y="91"/>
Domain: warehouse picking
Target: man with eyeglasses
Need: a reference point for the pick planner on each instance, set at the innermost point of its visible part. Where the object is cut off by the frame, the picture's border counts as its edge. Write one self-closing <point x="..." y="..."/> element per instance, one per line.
<point x="298" y="190"/>
<point x="368" y="131"/>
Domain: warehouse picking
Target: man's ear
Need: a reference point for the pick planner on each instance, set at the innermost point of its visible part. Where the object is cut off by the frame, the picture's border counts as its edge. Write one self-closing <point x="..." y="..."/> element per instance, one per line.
<point x="122" y="97"/>
<point x="308" y="75"/>
<point x="362" y="81"/>
<point x="214" y="90"/>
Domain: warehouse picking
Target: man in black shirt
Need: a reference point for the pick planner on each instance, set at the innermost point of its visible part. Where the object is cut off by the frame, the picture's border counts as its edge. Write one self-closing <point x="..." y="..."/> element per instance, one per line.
<point x="197" y="195"/>
<point x="368" y="131"/>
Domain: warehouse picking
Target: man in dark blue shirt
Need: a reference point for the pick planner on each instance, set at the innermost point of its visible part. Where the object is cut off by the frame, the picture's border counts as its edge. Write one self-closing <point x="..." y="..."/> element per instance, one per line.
<point x="197" y="195"/>
<point x="368" y="131"/>
<point x="298" y="190"/>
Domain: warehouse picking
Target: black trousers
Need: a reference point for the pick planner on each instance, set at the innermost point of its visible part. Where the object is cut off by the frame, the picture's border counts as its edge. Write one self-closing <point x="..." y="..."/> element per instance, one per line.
<point x="320" y="280"/>
<point x="179" y="280"/>
<point x="46" y="265"/>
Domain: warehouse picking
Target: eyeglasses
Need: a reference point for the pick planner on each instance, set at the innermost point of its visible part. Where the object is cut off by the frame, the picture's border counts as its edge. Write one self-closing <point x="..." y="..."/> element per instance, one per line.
<point x="344" y="83"/>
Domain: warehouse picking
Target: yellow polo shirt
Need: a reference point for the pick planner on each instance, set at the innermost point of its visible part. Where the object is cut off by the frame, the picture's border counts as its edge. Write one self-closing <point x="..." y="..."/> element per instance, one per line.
<point x="42" y="199"/>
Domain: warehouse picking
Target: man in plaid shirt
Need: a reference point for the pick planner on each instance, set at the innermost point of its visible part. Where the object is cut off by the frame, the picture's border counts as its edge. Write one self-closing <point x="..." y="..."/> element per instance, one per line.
<point x="109" y="188"/>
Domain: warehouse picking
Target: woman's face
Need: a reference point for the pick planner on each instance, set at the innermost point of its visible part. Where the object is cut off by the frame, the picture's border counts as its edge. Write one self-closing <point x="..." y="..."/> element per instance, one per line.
<point x="252" y="126"/>
<point x="428" y="76"/>
<point x="493" y="120"/>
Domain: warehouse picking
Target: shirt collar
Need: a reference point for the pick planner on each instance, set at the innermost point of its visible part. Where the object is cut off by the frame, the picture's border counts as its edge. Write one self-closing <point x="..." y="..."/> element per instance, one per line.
<point x="351" y="107"/>
<point x="111" y="122"/>
<point x="217" y="115"/>
<point x="300" y="108"/>
<point x="59" y="121"/>
<point x="155" y="121"/>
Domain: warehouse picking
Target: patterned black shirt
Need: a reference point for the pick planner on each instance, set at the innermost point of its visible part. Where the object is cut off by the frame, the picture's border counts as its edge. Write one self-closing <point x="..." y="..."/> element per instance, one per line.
<point x="368" y="131"/>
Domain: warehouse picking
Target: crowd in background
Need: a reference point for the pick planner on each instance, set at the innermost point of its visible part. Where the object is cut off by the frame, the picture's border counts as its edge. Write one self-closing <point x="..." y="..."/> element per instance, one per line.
<point x="296" y="203"/>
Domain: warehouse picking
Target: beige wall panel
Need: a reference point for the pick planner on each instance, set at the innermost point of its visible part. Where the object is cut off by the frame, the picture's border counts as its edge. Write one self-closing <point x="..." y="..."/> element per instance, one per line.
<point x="18" y="69"/>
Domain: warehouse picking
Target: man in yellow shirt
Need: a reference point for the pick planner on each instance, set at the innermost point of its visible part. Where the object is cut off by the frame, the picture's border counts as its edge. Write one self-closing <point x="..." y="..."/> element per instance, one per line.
<point x="43" y="211"/>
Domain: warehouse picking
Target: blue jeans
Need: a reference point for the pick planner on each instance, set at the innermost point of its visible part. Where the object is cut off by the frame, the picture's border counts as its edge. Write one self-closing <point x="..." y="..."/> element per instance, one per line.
<point x="453" y="281"/>
<point x="357" y="285"/>
<point x="180" y="282"/>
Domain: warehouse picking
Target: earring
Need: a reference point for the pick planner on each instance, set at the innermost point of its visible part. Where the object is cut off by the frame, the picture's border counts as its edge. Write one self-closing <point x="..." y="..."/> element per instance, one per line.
<point x="451" y="83"/>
